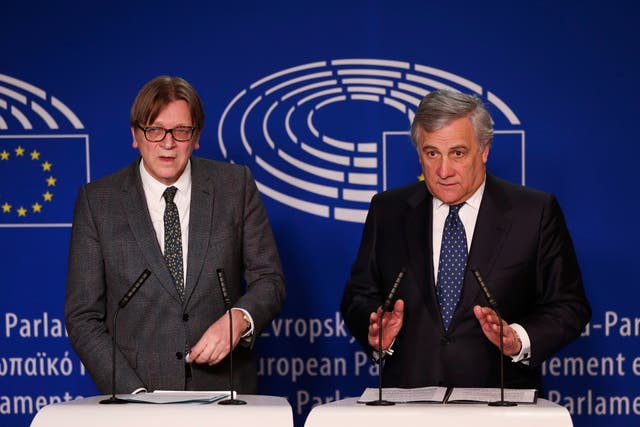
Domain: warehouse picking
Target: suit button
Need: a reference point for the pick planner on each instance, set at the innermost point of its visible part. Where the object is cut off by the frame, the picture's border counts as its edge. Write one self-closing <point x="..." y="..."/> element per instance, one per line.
<point x="179" y="356"/>
<point x="185" y="317"/>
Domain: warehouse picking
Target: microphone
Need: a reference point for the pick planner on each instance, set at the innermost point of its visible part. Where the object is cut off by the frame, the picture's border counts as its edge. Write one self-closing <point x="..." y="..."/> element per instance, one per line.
<point x="488" y="295"/>
<point x="123" y="302"/>
<point x="223" y="289"/>
<point x="227" y="304"/>
<point x="134" y="288"/>
<point x="385" y="308"/>
<point x="392" y="293"/>
<point x="494" y="305"/>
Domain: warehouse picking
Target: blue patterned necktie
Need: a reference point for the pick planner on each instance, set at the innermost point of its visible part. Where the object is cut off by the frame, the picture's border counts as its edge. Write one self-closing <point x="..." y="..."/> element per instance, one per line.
<point x="173" y="240"/>
<point x="453" y="261"/>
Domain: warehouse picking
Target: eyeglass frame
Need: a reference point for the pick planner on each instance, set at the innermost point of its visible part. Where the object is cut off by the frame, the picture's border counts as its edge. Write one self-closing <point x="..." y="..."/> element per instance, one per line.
<point x="167" y="131"/>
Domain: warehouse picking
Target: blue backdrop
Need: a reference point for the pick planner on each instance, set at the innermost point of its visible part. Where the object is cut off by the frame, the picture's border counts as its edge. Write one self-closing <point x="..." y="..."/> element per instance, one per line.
<point x="317" y="99"/>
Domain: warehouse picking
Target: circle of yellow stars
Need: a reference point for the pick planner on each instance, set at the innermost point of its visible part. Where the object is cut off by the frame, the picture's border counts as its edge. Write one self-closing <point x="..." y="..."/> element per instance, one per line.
<point x="36" y="207"/>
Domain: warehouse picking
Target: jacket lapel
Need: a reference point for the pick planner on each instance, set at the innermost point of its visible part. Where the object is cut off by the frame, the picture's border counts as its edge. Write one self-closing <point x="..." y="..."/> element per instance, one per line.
<point x="201" y="214"/>
<point x="492" y="226"/>
<point x="419" y="237"/>
<point x="135" y="205"/>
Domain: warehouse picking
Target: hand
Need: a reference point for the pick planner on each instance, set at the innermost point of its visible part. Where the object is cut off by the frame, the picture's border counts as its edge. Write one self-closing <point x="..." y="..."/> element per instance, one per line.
<point x="511" y="344"/>
<point x="213" y="346"/>
<point x="391" y="324"/>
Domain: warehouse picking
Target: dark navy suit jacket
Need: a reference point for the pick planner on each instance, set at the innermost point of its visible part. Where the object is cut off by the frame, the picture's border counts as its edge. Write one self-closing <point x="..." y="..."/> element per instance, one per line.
<point x="523" y="249"/>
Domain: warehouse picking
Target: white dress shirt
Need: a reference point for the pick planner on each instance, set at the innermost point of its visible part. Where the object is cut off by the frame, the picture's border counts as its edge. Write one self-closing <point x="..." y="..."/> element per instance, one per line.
<point x="153" y="191"/>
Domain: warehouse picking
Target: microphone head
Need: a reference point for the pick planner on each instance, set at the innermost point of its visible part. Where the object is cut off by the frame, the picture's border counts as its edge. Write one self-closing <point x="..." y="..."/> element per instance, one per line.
<point x="394" y="289"/>
<point x="485" y="289"/>
<point x="223" y="288"/>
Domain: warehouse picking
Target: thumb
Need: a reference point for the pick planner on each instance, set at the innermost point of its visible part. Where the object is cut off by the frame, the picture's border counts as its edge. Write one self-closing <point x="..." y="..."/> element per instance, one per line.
<point x="398" y="307"/>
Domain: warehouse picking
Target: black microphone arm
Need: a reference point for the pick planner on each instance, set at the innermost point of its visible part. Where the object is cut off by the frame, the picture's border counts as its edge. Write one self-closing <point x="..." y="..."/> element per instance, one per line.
<point x="223" y="288"/>
<point x="134" y="288"/>
<point x="392" y="293"/>
<point x="123" y="302"/>
<point x="388" y="302"/>
<point x="227" y="303"/>
<point x="494" y="305"/>
<point x="488" y="295"/>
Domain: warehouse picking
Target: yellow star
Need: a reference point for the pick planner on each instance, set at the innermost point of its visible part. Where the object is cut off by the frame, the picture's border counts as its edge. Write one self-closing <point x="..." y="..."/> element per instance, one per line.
<point x="4" y="155"/>
<point x="46" y="166"/>
<point x="19" y="151"/>
<point x="421" y="177"/>
<point x="35" y="155"/>
<point x="51" y="181"/>
<point x="47" y="196"/>
<point x="6" y="208"/>
<point x="22" y="211"/>
<point x="37" y="207"/>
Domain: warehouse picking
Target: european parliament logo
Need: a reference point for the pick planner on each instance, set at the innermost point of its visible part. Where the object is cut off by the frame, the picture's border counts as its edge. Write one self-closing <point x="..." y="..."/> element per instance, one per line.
<point x="44" y="157"/>
<point x="325" y="137"/>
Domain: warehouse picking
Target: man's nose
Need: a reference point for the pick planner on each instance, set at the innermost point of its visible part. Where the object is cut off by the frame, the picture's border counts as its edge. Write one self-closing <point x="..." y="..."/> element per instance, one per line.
<point x="444" y="168"/>
<point x="168" y="141"/>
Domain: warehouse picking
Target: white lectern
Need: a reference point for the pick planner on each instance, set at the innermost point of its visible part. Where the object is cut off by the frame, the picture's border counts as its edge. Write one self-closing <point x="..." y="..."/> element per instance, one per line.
<point x="349" y="413"/>
<point x="263" y="411"/>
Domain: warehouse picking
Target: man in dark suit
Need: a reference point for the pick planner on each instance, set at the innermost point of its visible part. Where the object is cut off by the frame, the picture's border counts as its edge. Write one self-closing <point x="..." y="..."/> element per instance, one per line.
<point x="182" y="218"/>
<point x="438" y="332"/>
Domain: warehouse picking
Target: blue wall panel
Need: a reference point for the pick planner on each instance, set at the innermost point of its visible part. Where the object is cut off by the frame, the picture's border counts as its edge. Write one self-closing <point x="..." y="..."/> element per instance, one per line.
<point x="558" y="77"/>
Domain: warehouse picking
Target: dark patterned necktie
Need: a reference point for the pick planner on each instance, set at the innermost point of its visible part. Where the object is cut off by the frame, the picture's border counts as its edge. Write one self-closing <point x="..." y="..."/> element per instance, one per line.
<point x="173" y="240"/>
<point x="453" y="261"/>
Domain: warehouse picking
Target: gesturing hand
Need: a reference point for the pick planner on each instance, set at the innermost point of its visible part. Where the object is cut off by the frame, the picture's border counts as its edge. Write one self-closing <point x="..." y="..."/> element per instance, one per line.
<point x="490" y="324"/>
<point x="391" y="325"/>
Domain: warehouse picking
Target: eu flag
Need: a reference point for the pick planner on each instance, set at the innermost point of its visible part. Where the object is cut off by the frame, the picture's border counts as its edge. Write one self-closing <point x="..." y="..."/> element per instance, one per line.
<point x="39" y="178"/>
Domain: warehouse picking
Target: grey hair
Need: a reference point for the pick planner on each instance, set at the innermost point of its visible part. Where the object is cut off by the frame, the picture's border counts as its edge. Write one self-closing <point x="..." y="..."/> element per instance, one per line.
<point x="439" y="108"/>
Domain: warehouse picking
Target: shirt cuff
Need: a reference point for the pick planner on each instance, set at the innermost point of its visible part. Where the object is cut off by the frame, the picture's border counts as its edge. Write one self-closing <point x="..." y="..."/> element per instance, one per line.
<point x="525" y="350"/>
<point x="375" y="354"/>
<point x="247" y="317"/>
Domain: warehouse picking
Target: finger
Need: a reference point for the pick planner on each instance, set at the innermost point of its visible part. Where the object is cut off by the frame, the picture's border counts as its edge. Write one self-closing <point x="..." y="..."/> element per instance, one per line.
<point x="373" y="329"/>
<point x="219" y="352"/>
<point x="202" y="356"/>
<point x="373" y="317"/>
<point x="216" y="358"/>
<point x="478" y="312"/>
<point x="196" y="350"/>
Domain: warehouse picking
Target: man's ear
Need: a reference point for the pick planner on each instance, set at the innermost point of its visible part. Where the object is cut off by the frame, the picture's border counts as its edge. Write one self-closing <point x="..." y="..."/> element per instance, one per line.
<point x="133" y="137"/>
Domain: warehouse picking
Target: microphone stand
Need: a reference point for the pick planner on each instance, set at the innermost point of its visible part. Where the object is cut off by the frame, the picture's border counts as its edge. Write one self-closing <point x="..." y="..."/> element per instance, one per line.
<point x="380" y="401"/>
<point x="113" y="399"/>
<point x="494" y="305"/>
<point x="501" y="402"/>
<point x="384" y="309"/>
<point x="122" y="304"/>
<point x="231" y="400"/>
